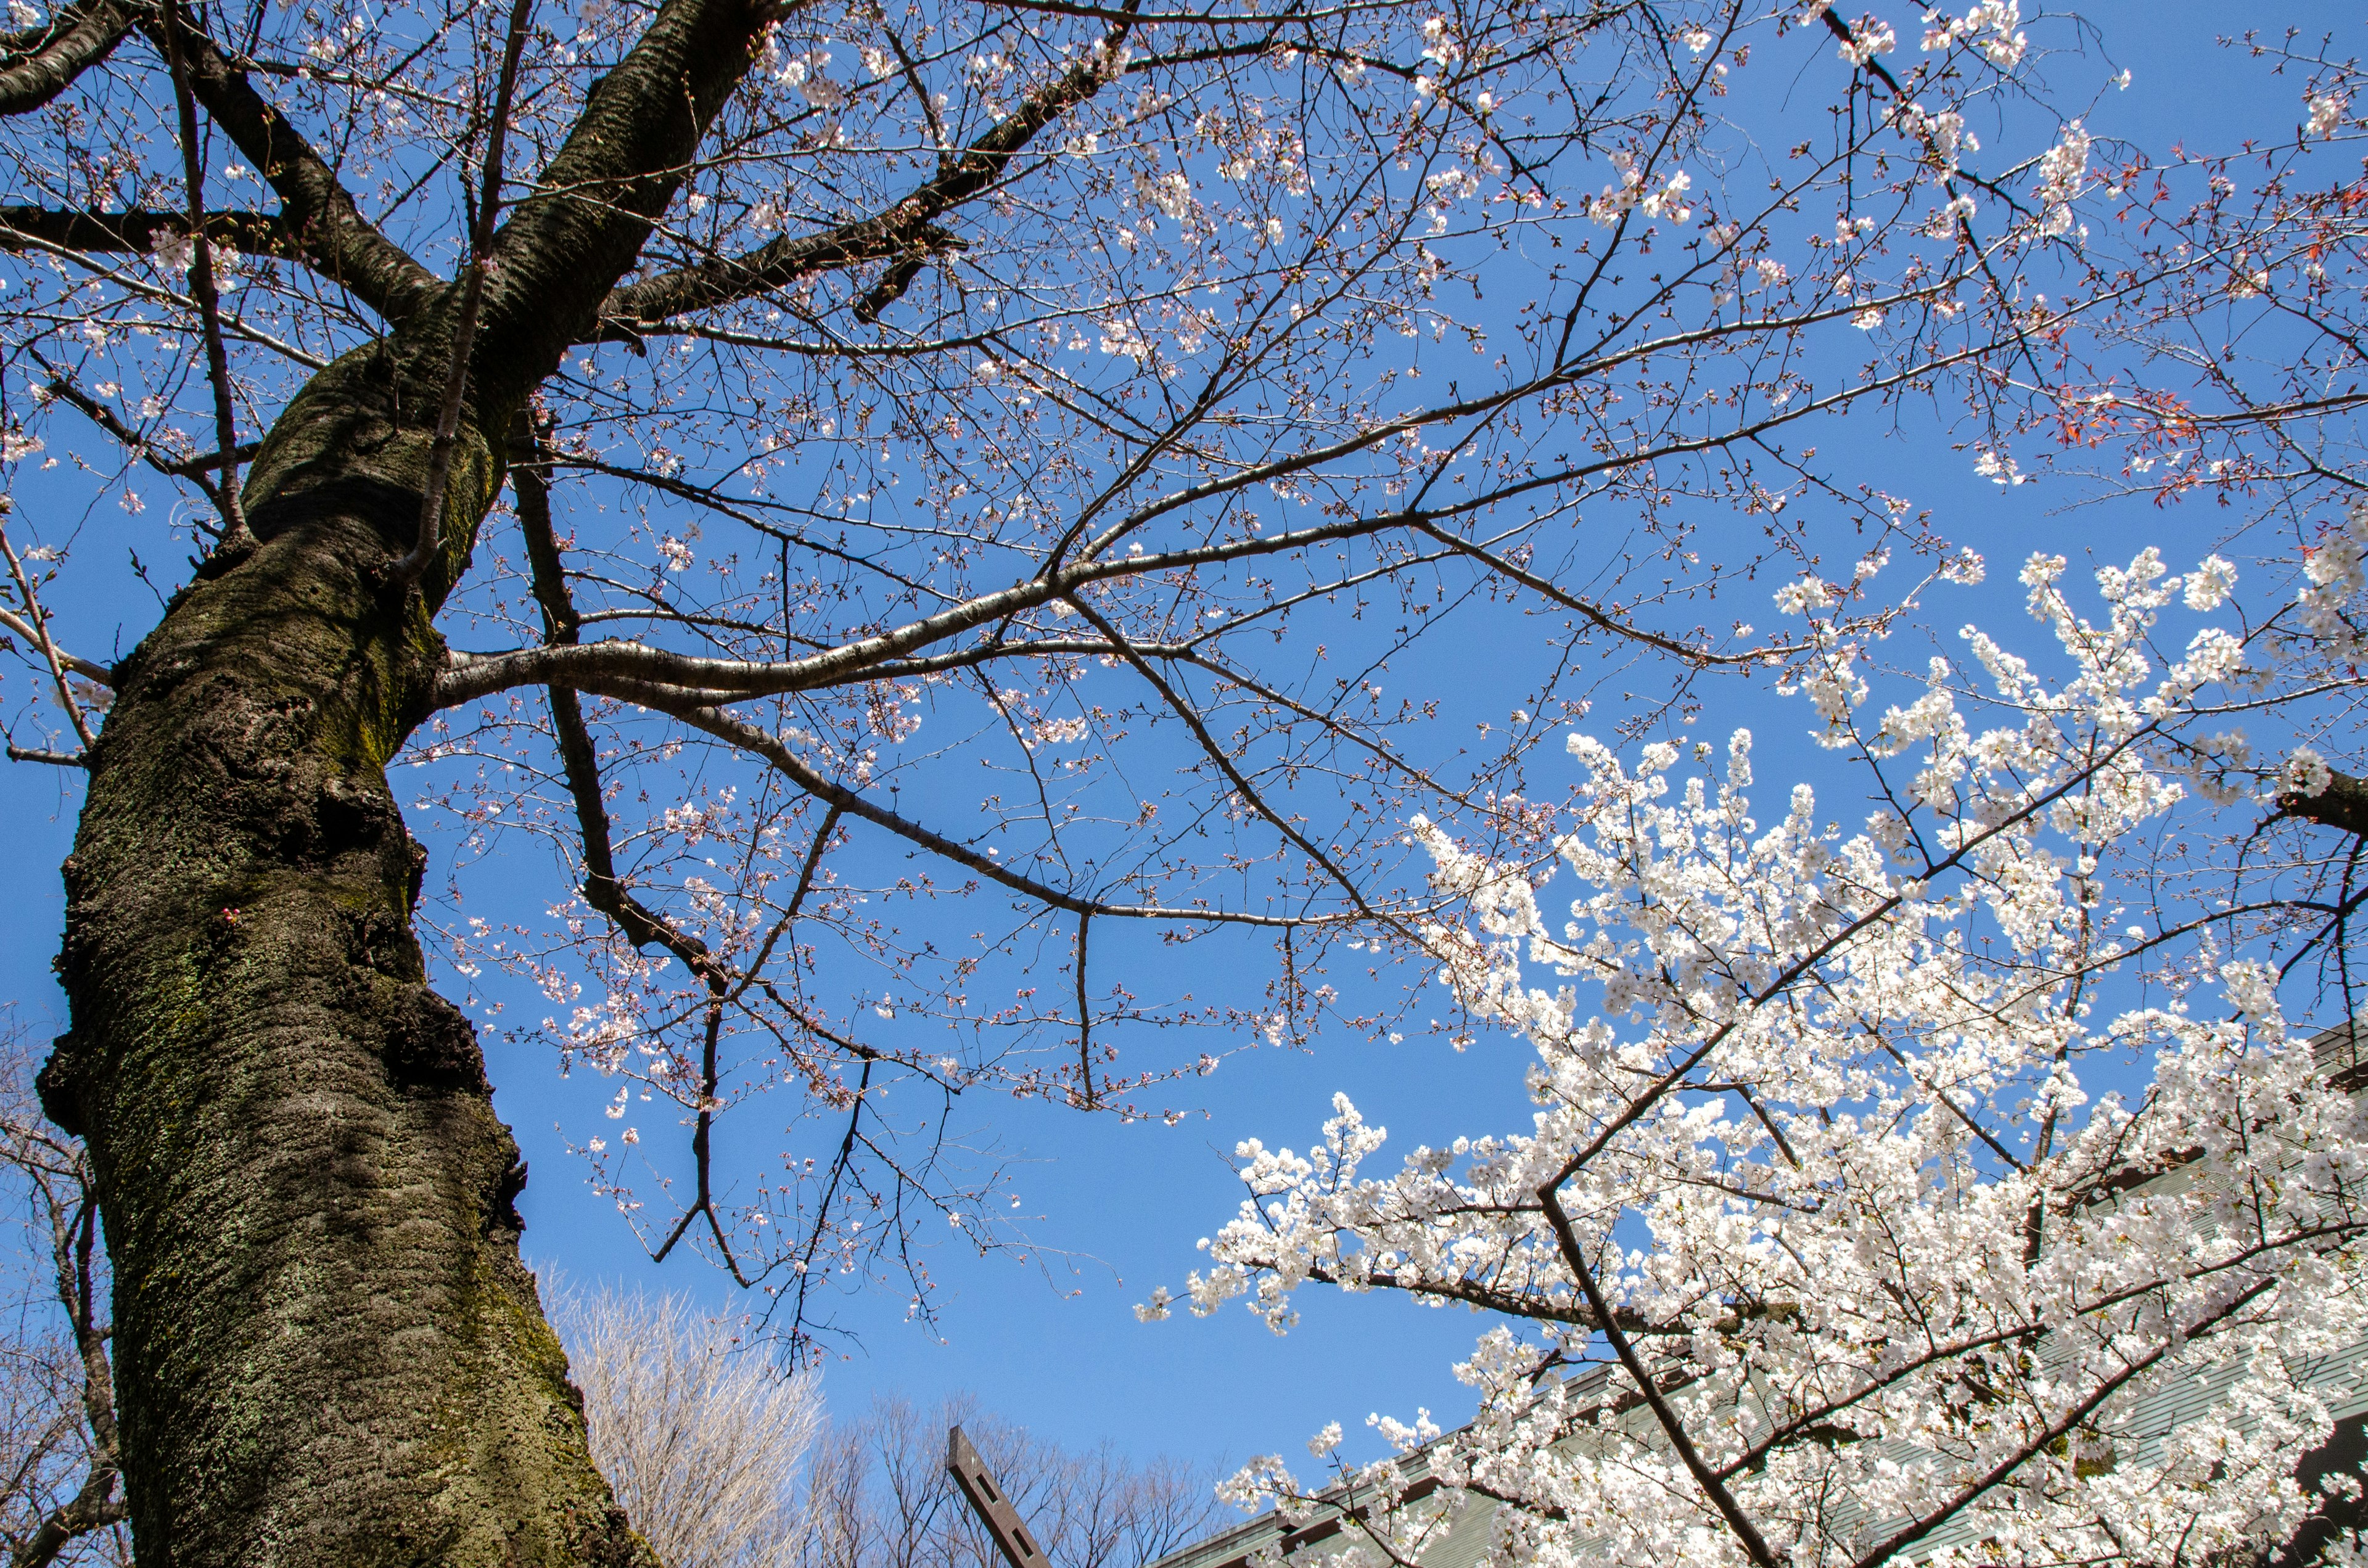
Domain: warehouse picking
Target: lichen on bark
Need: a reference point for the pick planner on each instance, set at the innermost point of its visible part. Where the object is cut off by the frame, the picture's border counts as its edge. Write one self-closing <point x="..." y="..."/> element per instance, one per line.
<point x="329" y="1350"/>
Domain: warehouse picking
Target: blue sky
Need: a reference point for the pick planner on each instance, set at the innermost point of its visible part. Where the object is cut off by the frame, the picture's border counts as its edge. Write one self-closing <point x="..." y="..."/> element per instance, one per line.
<point x="1055" y="1344"/>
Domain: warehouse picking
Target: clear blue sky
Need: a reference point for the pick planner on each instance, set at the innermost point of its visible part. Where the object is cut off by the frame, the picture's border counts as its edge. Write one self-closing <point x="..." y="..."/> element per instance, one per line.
<point x="1056" y="1347"/>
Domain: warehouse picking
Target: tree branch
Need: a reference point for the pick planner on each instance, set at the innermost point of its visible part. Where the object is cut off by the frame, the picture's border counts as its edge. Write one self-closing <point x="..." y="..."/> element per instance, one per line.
<point x="2343" y="805"/>
<point x="10" y="620"/>
<point x="567" y="245"/>
<point x="138" y="230"/>
<point x="428" y="544"/>
<point x="326" y="227"/>
<point x="38" y="624"/>
<point x="907" y="231"/>
<point x="73" y="1242"/>
<point x="38" y="63"/>
<point x="1573" y="1256"/>
<point x="201" y="288"/>
<point x="62" y="387"/>
<point x="694" y="709"/>
<point x="54" y="759"/>
<point x="597" y="666"/>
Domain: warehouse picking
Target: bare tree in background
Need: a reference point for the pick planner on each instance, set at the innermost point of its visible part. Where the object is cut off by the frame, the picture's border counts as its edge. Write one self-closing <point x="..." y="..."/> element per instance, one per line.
<point x="878" y="1495"/>
<point x="60" y="1501"/>
<point x="703" y="1437"/>
<point x="725" y="1459"/>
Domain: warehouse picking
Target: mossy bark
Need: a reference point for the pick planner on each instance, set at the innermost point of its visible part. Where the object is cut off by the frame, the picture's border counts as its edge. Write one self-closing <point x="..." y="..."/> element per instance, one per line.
<point x="326" y="1347"/>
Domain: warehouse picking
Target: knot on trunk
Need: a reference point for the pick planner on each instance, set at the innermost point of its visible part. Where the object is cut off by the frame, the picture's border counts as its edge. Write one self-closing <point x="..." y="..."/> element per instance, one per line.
<point x="431" y="1044"/>
<point x="60" y="1085"/>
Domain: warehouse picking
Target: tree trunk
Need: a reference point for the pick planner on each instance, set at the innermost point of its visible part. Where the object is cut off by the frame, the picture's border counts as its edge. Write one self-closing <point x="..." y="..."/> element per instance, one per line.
<point x="327" y="1348"/>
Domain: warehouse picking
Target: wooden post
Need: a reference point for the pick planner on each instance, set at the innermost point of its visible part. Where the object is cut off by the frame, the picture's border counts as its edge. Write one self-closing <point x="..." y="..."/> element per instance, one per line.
<point x="993" y="1508"/>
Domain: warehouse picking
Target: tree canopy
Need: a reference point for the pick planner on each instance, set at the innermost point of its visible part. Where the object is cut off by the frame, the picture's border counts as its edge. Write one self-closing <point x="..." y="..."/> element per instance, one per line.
<point x="914" y="506"/>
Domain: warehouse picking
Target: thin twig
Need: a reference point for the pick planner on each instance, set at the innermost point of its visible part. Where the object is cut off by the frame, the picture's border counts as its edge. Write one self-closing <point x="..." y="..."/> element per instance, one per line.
<point x="1085" y="1015"/>
<point x="202" y="288"/>
<point x="412" y="567"/>
<point x="38" y="626"/>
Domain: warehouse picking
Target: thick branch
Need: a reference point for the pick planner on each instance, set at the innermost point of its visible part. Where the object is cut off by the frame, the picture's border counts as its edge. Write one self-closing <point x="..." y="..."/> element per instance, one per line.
<point x="326" y="228"/>
<point x="254" y="233"/>
<point x="429" y="542"/>
<point x="597" y="667"/>
<point x="2343" y="805"/>
<point x="908" y="230"/>
<point x="1573" y="1256"/>
<point x="38" y="63"/>
<point x="92" y="1508"/>
<point x="594" y="205"/>
<point x="202" y="289"/>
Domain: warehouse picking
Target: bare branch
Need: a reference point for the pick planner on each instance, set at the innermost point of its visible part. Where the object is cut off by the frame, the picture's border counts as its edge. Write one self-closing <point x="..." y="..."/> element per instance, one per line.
<point x="38" y="63"/>
<point x="688" y="707"/>
<point x="139" y="230"/>
<point x="65" y="389"/>
<point x="908" y="230"/>
<point x="38" y="624"/>
<point x="54" y="759"/>
<point x="425" y="547"/>
<point x="318" y="210"/>
<point x="82" y="667"/>
<point x="592" y="666"/>
<point x="201" y="288"/>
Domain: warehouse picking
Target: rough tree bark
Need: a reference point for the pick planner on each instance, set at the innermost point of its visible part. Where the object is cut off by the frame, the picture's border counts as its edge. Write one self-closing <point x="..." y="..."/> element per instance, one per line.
<point x="328" y="1351"/>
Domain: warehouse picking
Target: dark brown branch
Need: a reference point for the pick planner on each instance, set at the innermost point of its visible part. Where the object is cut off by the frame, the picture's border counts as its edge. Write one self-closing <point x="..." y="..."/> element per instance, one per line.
<point x="602" y="889"/>
<point x="888" y="291"/>
<point x="64" y="388"/>
<point x="1085" y="1016"/>
<point x="2343" y="805"/>
<point x="1251" y="796"/>
<point x="327" y="229"/>
<point x="1573" y="1256"/>
<point x="907" y="231"/>
<point x="193" y="468"/>
<point x="1917" y="1529"/>
<point x="427" y="545"/>
<point x="90" y="1510"/>
<point x="1545" y="589"/>
<point x="201" y="287"/>
<point x="38" y="63"/>
<point x="139" y="230"/>
<point x="583" y="228"/>
<point x="73" y="1239"/>
<point x="36" y="621"/>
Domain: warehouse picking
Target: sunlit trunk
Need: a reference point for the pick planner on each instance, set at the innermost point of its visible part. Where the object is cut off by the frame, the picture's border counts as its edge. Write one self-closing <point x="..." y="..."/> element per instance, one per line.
<point x="328" y="1351"/>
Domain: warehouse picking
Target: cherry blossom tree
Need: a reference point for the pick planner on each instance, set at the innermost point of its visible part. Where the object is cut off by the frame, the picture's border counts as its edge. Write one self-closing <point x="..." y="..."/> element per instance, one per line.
<point x="704" y="436"/>
<point x="1898" y="1175"/>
